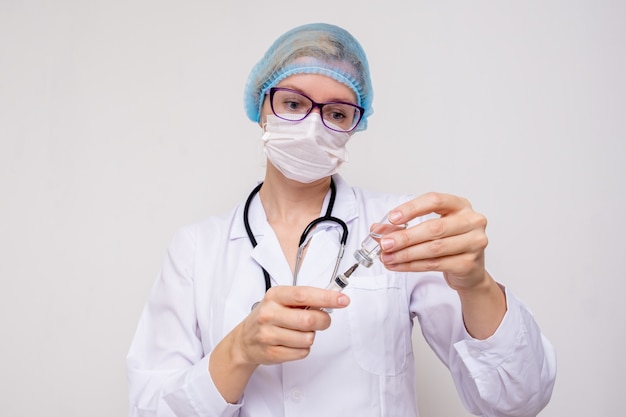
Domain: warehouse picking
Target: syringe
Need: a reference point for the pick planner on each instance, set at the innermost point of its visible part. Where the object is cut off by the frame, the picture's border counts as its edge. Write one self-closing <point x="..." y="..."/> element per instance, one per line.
<point x="341" y="281"/>
<point x="370" y="249"/>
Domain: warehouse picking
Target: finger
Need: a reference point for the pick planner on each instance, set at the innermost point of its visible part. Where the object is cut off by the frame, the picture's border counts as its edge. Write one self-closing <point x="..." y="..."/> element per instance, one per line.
<point x="459" y="265"/>
<point x="272" y="314"/>
<point x="304" y="319"/>
<point x="287" y="337"/>
<point x="435" y="230"/>
<point x="473" y="241"/>
<point x="280" y="354"/>
<point x="268" y="338"/>
<point x="303" y="296"/>
<point x="271" y="344"/>
<point x="432" y="202"/>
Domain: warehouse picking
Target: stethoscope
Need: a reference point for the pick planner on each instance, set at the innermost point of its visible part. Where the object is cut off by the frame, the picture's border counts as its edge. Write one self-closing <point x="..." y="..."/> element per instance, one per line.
<point x="303" y="237"/>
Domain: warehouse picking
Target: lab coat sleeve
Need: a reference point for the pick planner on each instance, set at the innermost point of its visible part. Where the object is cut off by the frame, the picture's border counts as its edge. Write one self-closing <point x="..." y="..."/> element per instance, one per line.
<point x="510" y="374"/>
<point x="167" y="368"/>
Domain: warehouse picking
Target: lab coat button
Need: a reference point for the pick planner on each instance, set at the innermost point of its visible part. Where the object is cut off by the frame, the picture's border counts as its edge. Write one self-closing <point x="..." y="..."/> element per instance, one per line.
<point x="296" y="395"/>
<point x="474" y="353"/>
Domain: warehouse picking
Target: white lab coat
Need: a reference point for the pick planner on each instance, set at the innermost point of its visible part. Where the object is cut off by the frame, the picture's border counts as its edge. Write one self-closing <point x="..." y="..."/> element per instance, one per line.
<point x="361" y="366"/>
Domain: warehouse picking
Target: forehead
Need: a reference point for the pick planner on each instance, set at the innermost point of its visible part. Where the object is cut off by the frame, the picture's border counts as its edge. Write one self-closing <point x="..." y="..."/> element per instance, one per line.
<point x="320" y="88"/>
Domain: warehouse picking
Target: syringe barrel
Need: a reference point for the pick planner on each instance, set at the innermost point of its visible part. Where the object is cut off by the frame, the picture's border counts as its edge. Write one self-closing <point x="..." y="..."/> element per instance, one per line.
<point x="338" y="283"/>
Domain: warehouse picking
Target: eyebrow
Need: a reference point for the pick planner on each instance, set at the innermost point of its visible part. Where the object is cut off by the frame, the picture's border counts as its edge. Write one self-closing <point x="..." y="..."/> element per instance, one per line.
<point x="350" y="100"/>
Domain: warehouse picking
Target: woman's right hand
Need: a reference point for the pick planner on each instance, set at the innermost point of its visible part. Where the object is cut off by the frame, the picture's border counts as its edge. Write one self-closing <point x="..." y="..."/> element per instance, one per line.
<point x="279" y="329"/>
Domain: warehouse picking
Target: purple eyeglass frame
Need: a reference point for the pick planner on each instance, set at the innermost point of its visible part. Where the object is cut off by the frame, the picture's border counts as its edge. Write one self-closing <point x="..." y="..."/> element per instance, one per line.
<point x="314" y="104"/>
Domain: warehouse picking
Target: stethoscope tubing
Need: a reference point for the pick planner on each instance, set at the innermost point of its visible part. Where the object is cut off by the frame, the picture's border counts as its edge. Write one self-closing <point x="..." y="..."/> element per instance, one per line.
<point x="326" y="218"/>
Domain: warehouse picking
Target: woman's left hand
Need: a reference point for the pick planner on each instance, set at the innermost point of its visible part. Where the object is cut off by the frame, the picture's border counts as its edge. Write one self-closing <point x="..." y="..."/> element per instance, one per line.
<point x="453" y="243"/>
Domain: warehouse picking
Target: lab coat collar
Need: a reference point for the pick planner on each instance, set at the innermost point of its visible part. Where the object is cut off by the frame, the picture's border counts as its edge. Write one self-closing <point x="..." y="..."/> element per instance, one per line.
<point x="268" y="252"/>
<point x="344" y="209"/>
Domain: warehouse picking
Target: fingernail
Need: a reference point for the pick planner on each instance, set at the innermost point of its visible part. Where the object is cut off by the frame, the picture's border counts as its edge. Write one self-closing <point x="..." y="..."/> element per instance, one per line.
<point x="343" y="300"/>
<point x="386" y="243"/>
<point x="395" y="216"/>
<point x="386" y="257"/>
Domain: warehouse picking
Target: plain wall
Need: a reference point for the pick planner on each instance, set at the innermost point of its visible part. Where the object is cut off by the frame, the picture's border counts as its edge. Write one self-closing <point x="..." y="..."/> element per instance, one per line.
<point x="122" y="121"/>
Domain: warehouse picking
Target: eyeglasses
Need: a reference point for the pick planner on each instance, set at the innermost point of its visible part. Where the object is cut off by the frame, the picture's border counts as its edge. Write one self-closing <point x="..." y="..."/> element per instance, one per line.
<point x="294" y="106"/>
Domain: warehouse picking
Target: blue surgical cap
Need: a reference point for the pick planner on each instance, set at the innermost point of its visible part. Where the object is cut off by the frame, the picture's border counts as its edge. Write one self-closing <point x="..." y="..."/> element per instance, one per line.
<point x="316" y="48"/>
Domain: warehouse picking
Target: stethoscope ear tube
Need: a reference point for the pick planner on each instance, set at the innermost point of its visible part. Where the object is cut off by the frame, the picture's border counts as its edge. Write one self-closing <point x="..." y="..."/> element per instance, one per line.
<point x="344" y="234"/>
<point x="246" y="223"/>
<point x="301" y="245"/>
<point x="303" y="242"/>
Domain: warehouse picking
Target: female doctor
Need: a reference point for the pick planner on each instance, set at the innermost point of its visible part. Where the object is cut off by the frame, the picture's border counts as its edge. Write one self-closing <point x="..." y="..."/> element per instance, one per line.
<point x="226" y="330"/>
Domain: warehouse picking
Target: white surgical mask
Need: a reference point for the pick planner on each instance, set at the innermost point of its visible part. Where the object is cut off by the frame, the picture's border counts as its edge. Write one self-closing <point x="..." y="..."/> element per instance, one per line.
<point x="304" y="151"/>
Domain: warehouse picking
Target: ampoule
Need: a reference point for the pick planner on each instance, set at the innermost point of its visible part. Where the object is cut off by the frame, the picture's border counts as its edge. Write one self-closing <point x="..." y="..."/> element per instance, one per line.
<point x="370" y="247"/>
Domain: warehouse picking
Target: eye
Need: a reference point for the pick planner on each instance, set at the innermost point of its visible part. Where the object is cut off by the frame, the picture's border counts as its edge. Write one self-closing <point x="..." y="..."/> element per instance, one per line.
<point x="291" y="102"/>
<point x="339" y="114"/>
<point x="292" y="105"/>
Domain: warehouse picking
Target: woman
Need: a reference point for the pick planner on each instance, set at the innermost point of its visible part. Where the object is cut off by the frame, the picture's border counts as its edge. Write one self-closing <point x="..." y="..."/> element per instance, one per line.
<point x="236" y="326"/>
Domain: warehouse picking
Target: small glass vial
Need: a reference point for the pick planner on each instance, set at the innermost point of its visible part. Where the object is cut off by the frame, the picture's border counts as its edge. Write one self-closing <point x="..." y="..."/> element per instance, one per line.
<point x="370" y="247"/>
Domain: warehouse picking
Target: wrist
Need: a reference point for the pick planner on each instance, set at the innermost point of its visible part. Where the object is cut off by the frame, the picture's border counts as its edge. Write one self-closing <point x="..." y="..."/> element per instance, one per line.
<point x="235" y="352"/>
<point x="229" y="367"/>
<point x="478" y="287"/>
<point x="483" y="306"/>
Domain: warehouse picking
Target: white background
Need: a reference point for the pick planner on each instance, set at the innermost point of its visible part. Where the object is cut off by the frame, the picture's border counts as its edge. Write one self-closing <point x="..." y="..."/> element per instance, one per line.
<point x="121" y="121"/>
